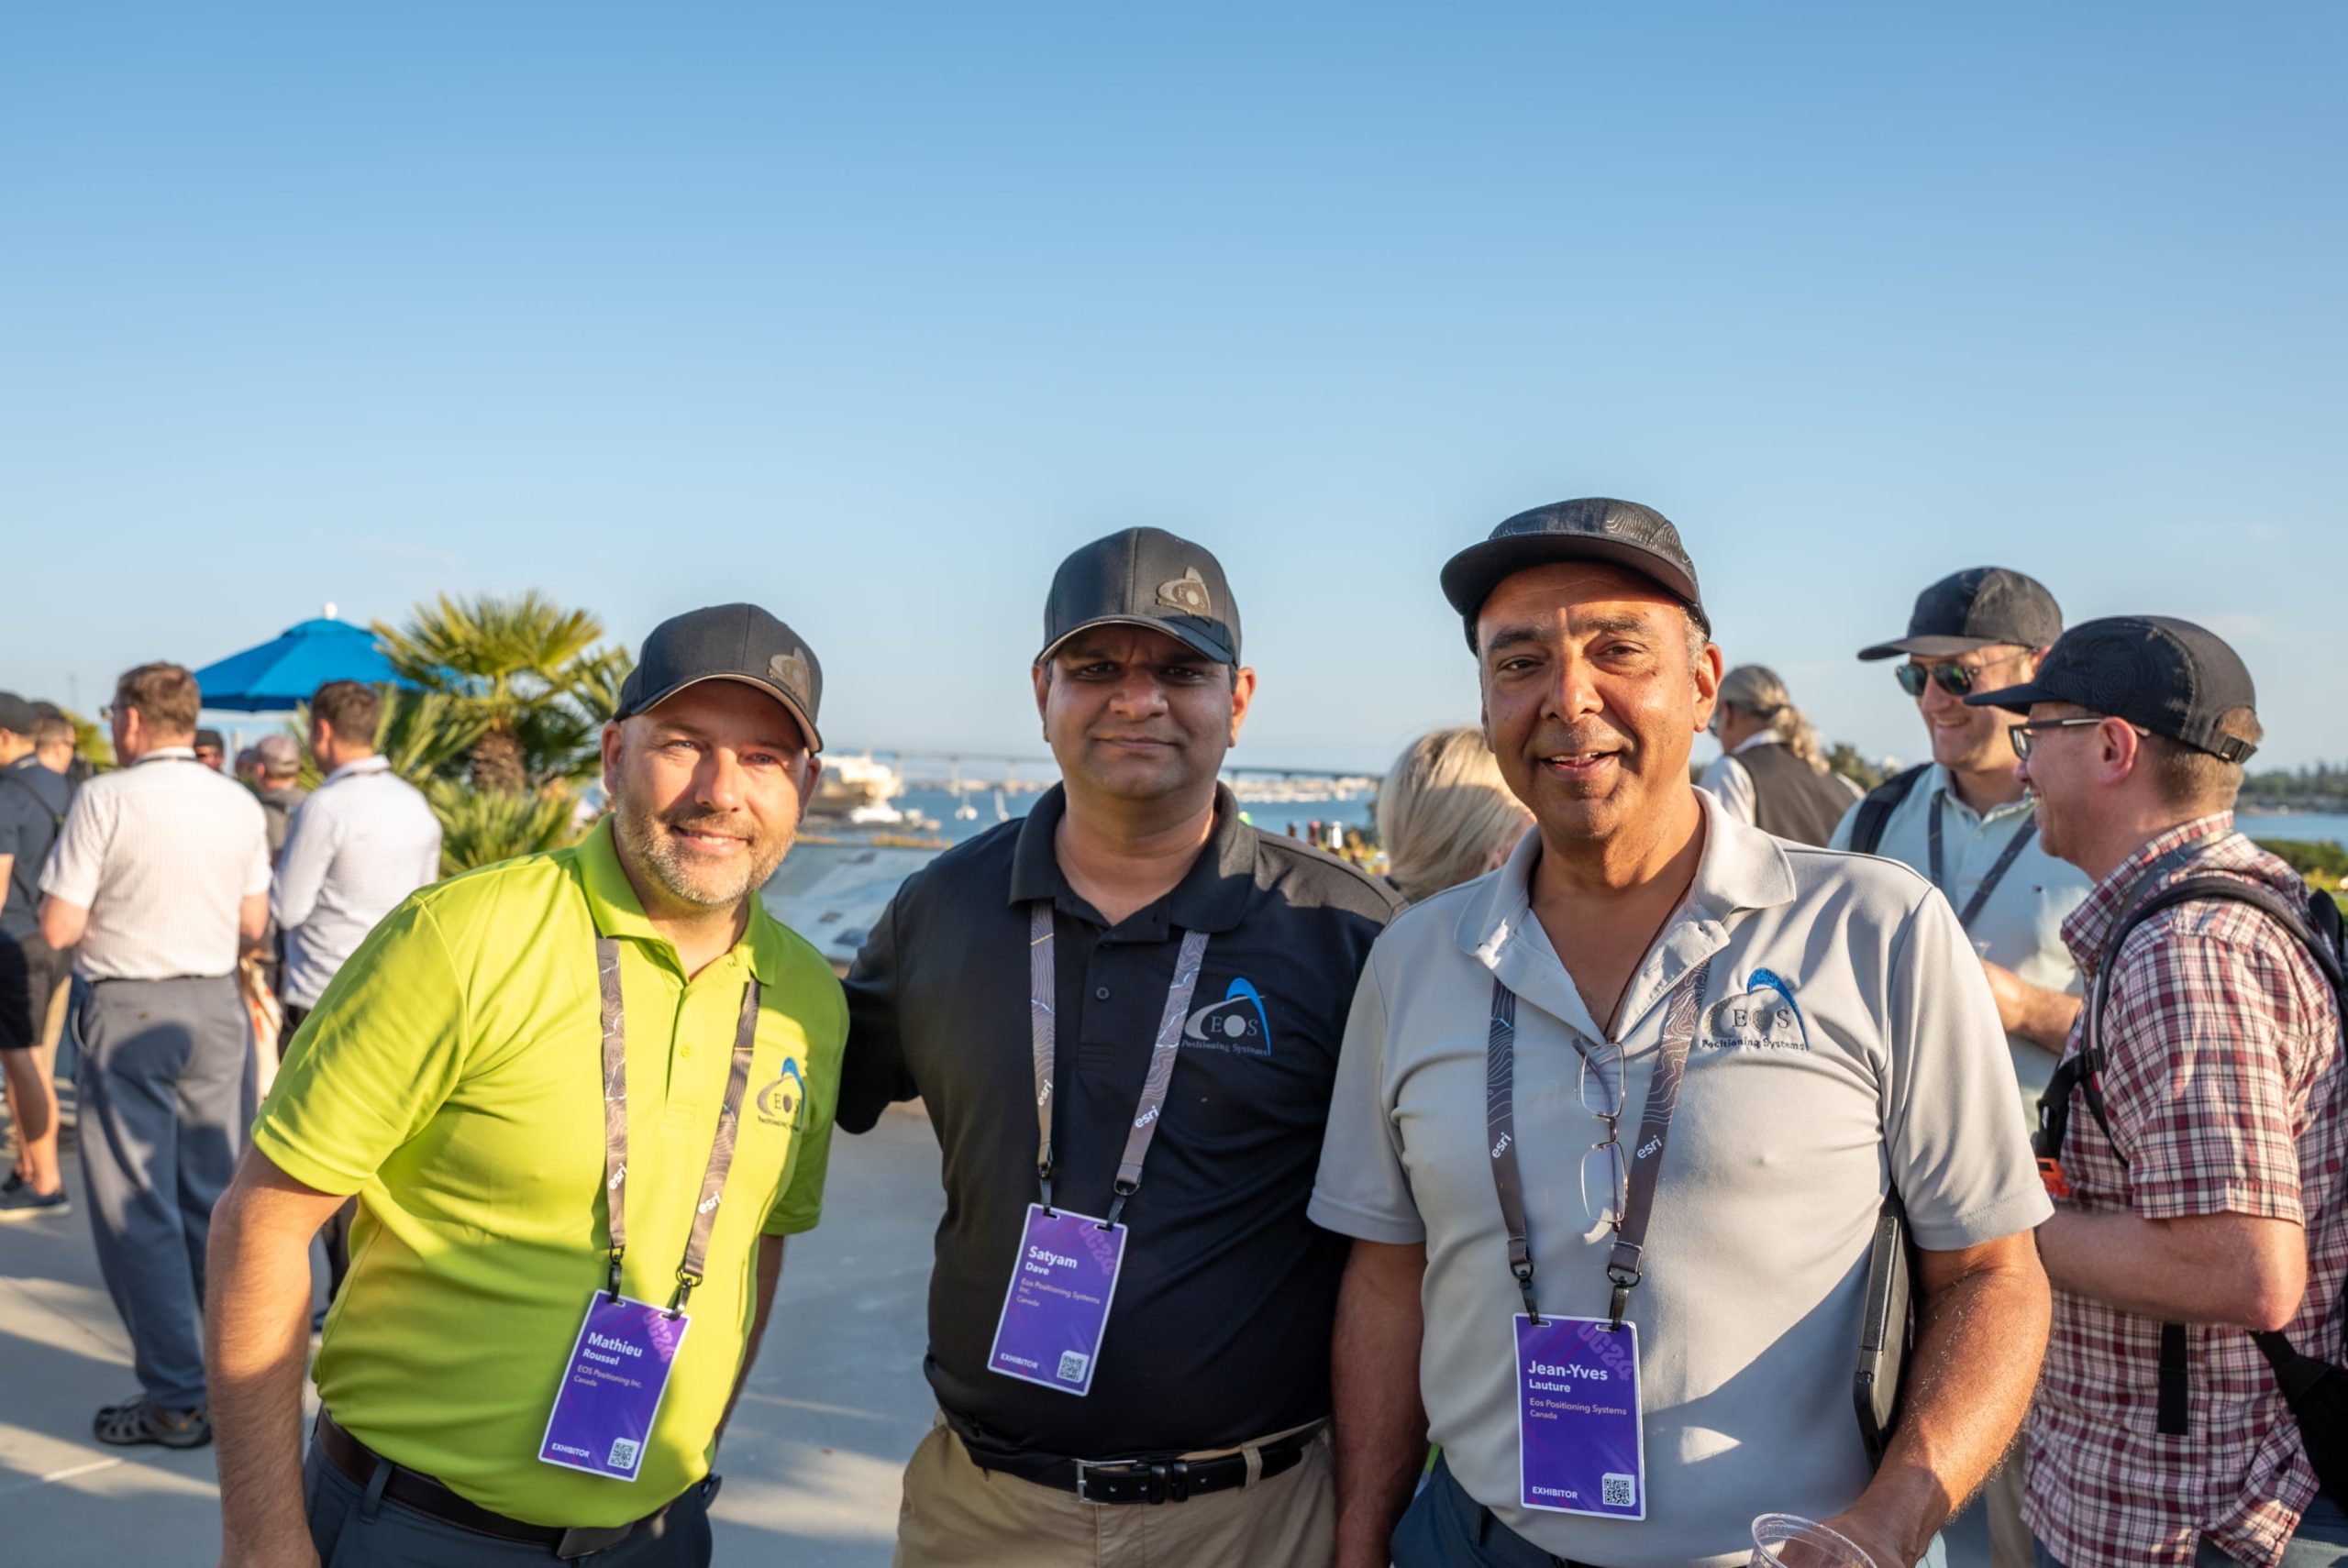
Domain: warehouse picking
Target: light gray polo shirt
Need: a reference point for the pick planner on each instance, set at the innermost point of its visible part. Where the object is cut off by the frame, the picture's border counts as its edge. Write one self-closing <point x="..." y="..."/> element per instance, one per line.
<point x="1789" y="1124"/>
<point x="2021" y="923"/>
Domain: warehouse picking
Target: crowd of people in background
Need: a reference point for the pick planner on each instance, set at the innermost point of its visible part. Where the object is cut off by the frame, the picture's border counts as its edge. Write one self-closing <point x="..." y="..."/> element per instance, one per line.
<point x="1236" y="1136"/>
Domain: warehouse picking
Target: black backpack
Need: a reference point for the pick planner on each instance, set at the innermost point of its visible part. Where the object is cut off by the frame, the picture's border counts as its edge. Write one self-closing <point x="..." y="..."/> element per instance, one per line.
<point x="1876" y="809"/>
<point x="2316" y="1389"/>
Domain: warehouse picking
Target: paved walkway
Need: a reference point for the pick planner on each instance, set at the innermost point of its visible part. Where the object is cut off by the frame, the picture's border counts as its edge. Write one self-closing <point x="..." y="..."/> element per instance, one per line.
<point x="834" y="1406"/>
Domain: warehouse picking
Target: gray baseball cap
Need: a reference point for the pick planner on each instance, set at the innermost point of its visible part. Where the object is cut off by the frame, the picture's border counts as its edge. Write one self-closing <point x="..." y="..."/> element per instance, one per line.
<point x="1148" y="578"/>
<point x="728" y="642"/>
<point x="1597" y="528"/>
<point x="1979" y="607"/>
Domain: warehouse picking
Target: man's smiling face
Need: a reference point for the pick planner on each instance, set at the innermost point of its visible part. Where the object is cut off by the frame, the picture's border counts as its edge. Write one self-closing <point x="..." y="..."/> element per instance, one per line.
<point x="708" y="789"/>
<point x="1593" y="695"/>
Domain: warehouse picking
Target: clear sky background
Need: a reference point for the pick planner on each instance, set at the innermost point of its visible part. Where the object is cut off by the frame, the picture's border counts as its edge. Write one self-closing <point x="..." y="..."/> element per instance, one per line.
<point x="870" y="313"/>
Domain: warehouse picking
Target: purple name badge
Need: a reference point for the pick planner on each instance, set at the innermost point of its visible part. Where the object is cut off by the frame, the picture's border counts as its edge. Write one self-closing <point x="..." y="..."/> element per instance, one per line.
<point x="612" y="1389"/>
<point x="1582" y="1448"/>
<point x="1057" y="1305"/>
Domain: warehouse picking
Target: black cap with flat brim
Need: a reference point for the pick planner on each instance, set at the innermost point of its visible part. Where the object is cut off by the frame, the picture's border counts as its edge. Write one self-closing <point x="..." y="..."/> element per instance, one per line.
<point x="1980" y="607"/>
<point x="1614" y="533"/>
<point x="1147" y="578"/>
<point x="728" y="642"/>
<point x="2168" y="676"/>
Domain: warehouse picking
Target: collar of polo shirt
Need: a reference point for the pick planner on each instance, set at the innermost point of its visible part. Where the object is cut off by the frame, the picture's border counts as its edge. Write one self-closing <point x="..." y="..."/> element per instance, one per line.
<point x="616" y="911"/>
<point x="1210" y="897"/>
<point x="1742" y="869"/>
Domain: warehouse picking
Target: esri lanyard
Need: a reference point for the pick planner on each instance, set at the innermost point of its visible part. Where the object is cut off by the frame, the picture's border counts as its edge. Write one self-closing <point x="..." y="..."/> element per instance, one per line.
<point x="1042" y="983"/>
<point x="1997" y="867"/>
<point x="1624" y="1267"/>
<point x="721" y="1148"/>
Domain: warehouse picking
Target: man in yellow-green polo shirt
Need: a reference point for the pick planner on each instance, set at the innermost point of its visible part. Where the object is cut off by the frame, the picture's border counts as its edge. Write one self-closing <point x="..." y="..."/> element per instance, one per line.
<point x="582" y="1099"/>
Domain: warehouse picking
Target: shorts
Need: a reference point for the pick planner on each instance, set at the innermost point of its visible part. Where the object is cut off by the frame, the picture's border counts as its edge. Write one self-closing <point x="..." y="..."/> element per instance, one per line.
<point x="31" y="971"/>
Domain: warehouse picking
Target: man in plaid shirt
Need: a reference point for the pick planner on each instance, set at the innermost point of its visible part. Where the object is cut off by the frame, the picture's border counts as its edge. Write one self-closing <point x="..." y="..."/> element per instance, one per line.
<point x="2211" y="1202"/>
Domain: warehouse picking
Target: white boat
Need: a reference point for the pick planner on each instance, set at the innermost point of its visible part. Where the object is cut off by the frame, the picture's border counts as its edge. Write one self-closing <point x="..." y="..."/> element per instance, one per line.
<point x="859" y="788"/>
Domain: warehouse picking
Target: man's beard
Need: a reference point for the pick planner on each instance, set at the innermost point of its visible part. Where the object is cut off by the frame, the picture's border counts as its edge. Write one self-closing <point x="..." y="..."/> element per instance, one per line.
<point x="659" y="855"/>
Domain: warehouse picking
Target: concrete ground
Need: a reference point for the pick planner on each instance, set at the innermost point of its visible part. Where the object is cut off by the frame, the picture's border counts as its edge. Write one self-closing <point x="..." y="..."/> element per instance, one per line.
<point x="835" y="1404"/>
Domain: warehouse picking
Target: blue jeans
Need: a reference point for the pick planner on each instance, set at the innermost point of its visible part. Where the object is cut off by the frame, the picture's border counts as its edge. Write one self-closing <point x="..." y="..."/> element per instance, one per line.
<point x="2320" y="1542"/>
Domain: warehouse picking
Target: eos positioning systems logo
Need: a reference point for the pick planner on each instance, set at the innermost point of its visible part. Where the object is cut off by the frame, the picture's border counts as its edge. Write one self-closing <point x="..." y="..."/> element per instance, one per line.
<point x="780" y="1103"/>
<point x="1235" y="1023"/>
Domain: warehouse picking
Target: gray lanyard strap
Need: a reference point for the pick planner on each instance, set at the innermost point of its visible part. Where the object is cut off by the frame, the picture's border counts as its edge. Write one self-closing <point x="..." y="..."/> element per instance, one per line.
<point x="1998" y="869"/>
<point x="1624" y="1267"/>
<point x="1042" y="981"/>
<point x="721" y="1147"/>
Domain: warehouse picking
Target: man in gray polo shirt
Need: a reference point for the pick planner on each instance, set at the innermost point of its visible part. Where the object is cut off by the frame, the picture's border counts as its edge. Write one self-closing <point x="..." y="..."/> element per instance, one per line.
<point x="1645" y="1310"/>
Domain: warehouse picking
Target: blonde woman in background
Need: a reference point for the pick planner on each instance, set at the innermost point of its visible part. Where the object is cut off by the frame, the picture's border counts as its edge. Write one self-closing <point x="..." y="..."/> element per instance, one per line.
<point x="1444" y="816"/>
<point x="1771" y="772"/>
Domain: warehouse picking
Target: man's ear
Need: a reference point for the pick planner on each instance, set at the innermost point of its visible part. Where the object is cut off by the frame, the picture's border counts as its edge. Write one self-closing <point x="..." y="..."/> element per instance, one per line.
<point x="612" y="748"/>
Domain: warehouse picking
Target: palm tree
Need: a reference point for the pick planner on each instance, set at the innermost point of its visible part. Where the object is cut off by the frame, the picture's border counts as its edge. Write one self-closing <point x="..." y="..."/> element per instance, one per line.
<point x="524" y="674"/>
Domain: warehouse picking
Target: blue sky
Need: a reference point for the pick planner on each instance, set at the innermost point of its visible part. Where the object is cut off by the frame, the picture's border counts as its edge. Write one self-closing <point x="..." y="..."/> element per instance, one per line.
<point x="872" y="313"/>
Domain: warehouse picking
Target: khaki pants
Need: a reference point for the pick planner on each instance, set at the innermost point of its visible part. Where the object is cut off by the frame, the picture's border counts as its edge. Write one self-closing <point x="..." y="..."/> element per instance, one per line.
<point x="958" y="1516"/>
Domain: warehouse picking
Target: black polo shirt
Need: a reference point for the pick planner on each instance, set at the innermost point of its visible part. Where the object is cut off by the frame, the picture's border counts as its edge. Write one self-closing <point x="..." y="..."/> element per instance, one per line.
<point x="1220" y="1328"/>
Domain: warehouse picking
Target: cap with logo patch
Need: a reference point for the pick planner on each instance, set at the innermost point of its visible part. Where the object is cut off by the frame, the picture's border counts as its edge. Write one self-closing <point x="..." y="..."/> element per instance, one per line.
<point x="1979" y="607"/>
<point x="2168" y="676"/>
<point x="1596" y="529"/>
<point x="1148" y="578"/>
<point x="728" y="642"/>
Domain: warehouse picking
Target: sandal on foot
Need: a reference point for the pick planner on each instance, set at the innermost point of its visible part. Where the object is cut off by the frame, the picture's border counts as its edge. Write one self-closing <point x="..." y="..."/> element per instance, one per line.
<point x="141" y="1420"/>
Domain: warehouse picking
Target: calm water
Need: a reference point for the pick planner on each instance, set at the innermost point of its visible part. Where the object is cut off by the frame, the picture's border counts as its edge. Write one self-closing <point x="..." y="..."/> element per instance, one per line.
<point x="1276" y="816"/>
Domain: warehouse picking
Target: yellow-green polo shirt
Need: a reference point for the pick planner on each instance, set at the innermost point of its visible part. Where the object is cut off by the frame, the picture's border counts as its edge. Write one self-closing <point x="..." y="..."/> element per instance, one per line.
<point x="451" y="1077"/>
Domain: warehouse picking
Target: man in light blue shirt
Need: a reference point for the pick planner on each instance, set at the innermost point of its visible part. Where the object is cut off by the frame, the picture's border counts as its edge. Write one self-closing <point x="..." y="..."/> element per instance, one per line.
<point x="362" y="842"/>
<point x="1965" y="821"/>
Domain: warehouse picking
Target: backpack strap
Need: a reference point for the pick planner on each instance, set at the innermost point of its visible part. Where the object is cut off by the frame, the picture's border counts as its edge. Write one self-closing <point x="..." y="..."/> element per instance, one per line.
<point x="1876" y="809"/>
<point x="2317" y="929"/>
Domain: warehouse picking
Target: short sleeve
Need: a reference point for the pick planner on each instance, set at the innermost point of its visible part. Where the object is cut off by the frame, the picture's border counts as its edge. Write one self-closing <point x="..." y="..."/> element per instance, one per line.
<point x="373" y="1062"/>
<point x="257" y="863"/>
<point x="801" y="1203"/>
<point x="872" y="1069"/>
<point x="2196" y="1083"/>
<point x="1957" y="1152"/>
<point x="1727" y="782"/>
<point x="1363" y="1189"/>
<point x="78" y="859"/>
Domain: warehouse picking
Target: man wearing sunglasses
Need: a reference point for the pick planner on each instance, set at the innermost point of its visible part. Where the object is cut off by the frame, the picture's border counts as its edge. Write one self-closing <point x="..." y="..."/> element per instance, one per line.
<point x="1612" y="1126"/>
<point x="2195" y="1138"/>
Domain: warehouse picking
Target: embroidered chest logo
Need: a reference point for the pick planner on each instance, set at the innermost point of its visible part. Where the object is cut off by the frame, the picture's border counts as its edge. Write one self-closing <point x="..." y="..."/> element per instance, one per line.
<point x="1236" y="1024"/>
<point x="783" y="1103"/>
<point x="1766" y="1017"/>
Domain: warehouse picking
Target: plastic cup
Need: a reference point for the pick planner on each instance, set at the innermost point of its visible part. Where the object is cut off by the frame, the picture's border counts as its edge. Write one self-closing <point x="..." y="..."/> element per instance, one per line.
<point x="1788" y="1541"/>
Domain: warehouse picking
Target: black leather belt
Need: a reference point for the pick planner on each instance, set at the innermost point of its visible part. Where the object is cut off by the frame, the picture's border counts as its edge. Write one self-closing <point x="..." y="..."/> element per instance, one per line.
<point x="1142" y="1479"/>
<point x="415" y="1490"/>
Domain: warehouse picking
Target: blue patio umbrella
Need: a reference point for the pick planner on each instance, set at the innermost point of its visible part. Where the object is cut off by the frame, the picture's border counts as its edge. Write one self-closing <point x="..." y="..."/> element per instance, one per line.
<point x="283" y="672"/>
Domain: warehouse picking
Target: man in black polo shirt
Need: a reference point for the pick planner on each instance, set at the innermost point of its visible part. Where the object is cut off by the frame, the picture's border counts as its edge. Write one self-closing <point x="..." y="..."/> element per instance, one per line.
<point x="1129" y="1317"/>
<point x="32" y="804"/>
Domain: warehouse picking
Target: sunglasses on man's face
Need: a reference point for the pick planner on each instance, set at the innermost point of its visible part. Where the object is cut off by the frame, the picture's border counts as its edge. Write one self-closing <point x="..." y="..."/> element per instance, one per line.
<point x="1955" y="679"/>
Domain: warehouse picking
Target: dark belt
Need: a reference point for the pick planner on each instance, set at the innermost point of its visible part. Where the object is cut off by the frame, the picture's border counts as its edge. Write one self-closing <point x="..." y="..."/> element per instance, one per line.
<point x="418" y="1492"/>
<point x="1142" y="1479"/>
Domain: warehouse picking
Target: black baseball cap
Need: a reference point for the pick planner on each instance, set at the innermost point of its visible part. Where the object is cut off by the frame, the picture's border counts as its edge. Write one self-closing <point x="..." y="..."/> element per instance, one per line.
<point x="1145" y="576"/>
<point x="728" y="642"/>
<point x="17" y="715"/>
<point x="212" y="738"/>
<point x="1979" y="607"/>
<point x="1620" y="533"/>
<point x="2170" y="677"/>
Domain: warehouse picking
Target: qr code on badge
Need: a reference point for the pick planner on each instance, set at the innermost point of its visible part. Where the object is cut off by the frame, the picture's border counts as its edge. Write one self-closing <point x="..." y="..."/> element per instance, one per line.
<point x="1616" y="1490"/>
<point x="1073" y="1365"/>
<point x="622" y="1455"/>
